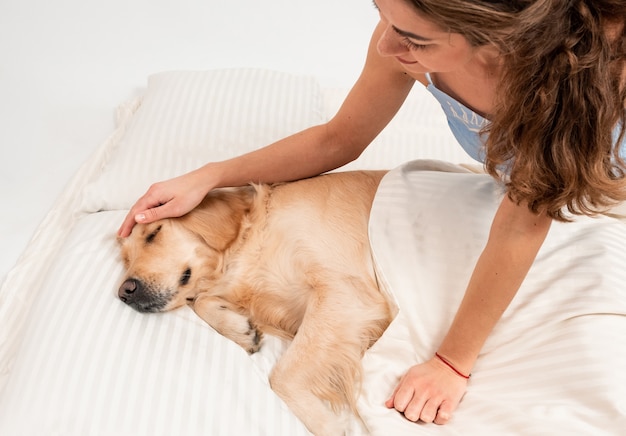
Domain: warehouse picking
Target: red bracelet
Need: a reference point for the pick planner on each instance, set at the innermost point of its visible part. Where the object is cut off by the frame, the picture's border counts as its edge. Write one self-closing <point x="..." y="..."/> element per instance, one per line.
<point x="466" y="377"/>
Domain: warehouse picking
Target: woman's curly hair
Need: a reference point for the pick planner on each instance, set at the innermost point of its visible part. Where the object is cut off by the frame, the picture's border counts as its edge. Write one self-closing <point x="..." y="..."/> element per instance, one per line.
<point x="561" y="97"/>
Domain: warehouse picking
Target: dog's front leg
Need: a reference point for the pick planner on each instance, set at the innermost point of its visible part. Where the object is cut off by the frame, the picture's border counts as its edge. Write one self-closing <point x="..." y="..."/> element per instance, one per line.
<point x="227" y="321"/>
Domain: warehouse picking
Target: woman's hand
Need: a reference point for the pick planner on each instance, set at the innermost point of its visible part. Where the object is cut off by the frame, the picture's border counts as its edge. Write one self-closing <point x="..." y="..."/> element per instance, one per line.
<point x="429" y="392"/>
<point x="168" y="199"/>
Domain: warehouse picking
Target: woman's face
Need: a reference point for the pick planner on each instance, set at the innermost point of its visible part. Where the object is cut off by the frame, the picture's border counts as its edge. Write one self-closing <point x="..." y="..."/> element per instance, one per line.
<point x="417" y="43"/>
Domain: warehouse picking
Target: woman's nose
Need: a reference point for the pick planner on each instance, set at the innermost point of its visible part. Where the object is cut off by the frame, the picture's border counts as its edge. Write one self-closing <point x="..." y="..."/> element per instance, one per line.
<point x="389" y="44"/>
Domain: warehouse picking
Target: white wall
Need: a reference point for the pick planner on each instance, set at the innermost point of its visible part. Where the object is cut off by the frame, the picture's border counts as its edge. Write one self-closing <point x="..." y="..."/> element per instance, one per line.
<point x="66" y="65"/>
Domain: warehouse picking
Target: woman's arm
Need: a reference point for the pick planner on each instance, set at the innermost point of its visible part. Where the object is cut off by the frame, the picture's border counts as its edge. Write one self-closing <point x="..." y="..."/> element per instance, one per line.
<point x="373" y="101"/>
<point x="514" y="240"/>
<point x="431" y="391"/>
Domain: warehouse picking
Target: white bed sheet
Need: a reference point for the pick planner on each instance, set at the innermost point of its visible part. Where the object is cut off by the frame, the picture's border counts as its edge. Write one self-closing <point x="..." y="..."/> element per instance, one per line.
<point x="76" y="361"/>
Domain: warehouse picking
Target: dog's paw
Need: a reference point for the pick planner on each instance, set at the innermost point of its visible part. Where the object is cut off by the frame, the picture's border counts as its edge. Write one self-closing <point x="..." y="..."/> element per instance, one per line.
<point x="224" y="317"/>
<point x="240" y="330"/>
<point x="251" y="341"/>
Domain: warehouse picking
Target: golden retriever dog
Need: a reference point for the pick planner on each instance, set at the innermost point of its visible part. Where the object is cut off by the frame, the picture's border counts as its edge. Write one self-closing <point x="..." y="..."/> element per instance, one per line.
<point x="291" y="260"/>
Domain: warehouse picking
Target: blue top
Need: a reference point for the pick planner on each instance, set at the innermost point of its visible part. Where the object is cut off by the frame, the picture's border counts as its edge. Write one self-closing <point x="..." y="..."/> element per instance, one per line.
<point x="466" y="124"/>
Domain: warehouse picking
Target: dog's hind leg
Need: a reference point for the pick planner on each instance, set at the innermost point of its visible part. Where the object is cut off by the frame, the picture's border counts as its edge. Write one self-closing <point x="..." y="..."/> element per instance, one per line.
<point x="227" y="321"/>
<point x="295" y="378"/>
<point x="319" y="375"/>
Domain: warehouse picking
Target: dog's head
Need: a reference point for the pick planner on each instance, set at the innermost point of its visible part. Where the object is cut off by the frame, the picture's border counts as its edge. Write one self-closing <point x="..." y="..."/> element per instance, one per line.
<point x="164" y="262"/>
<point x="170" y="261"/>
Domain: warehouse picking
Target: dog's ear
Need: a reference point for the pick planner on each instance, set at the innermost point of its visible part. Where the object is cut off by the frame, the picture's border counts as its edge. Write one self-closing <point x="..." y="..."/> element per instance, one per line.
<point x="218" y="219"/>
<point x="123" y="244"/>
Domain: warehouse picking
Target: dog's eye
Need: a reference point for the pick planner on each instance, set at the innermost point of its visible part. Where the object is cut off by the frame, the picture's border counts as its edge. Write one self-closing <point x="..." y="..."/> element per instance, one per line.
<point x="152" y="235"/>
<point x="184" y="279"/>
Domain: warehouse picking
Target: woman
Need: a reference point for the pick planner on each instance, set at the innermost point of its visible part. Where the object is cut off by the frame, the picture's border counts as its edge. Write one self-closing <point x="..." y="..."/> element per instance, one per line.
<point x="544" y="84"/>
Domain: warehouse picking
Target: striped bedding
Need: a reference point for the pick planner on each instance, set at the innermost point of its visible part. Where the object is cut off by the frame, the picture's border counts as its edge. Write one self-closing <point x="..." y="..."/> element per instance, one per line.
<point x="76" y="361"/>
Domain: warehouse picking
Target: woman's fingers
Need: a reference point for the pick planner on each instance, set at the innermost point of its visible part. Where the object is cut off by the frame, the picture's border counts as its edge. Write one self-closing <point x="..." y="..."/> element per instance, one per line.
<point x="403" y="398"/>
<point x="429" y="410"/>
<point x="428" y="393"/>
<point x="146" y="210"/>
<point x="444" y="414"/>
<point x="390" y="403"/>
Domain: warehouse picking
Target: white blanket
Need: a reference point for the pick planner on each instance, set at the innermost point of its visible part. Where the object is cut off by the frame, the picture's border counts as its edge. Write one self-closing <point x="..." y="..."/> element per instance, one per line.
<point x="555" y="362"/>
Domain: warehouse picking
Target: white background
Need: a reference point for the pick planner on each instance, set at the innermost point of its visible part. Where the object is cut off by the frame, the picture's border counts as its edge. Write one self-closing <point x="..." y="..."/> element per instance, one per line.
<point x="67" y="64"/>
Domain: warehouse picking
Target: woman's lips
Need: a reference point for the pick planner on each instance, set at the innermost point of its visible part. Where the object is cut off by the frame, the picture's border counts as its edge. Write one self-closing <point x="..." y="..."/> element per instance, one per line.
<point x="405" y="62"/>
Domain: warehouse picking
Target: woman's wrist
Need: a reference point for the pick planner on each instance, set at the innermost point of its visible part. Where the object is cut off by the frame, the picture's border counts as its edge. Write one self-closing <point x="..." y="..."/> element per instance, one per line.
<point x="451" y="366"/>
<point x="462" y="359"/>
<point x="210" y="176"/>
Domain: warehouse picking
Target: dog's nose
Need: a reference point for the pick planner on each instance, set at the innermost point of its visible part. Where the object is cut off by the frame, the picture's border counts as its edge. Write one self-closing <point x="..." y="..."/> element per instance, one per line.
<point x="128" y="288"/>
<point x="140" y="296"/>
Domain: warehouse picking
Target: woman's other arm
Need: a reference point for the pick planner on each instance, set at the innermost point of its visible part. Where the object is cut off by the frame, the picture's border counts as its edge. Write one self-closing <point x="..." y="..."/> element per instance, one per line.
<point x="431" y="391"/>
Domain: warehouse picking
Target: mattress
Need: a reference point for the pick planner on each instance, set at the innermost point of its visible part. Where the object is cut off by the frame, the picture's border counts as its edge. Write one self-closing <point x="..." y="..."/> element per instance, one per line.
<point x="74" y="360"/>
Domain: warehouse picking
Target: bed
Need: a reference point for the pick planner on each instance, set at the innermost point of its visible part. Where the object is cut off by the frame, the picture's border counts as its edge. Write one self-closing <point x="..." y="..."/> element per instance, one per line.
<point x="74" y="360"/>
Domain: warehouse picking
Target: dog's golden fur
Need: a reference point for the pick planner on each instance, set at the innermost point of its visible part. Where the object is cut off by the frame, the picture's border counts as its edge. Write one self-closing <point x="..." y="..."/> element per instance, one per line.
<point x="291" y="260"/>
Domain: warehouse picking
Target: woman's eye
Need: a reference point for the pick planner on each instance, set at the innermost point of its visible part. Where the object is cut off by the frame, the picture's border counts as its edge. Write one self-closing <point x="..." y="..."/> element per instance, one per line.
<point x="412" y="45"/>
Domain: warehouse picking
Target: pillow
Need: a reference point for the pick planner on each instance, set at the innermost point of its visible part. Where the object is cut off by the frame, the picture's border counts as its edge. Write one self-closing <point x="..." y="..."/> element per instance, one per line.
<point x="187" y="119"/>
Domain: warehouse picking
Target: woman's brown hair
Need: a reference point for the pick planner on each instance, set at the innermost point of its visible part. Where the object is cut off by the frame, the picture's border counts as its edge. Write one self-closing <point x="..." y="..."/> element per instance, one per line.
<point x="560" y="98"/>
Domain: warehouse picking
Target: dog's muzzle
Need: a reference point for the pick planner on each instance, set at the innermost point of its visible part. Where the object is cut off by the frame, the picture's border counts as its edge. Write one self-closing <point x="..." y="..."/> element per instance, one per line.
<point x="141" y="298"/>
